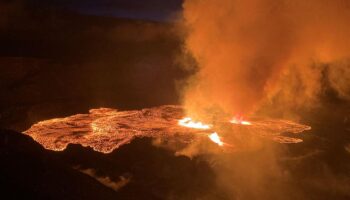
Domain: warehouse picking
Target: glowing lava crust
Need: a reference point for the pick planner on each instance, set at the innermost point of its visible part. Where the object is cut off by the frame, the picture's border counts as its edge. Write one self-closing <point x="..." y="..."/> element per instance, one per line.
<point x="107" y="129"/>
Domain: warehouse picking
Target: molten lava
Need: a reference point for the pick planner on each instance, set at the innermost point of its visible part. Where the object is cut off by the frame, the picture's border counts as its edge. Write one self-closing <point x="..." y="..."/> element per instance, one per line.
<point x="239" y="120"/>
<point x="107" y="129"/>
<point x="188" y="122"/>
<point x="216" y="139"/>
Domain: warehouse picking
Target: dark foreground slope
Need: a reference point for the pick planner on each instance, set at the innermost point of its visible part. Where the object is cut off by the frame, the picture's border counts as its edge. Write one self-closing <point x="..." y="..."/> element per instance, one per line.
<point x="29" y="171"/>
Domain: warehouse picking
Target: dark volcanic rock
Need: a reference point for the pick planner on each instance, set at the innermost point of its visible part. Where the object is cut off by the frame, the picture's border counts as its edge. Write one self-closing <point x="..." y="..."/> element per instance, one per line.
<point x="30" y="171"/>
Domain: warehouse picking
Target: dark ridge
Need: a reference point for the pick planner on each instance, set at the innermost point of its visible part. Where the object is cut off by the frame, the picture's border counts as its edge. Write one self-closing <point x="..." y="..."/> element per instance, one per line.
<point x="55" y="64"/>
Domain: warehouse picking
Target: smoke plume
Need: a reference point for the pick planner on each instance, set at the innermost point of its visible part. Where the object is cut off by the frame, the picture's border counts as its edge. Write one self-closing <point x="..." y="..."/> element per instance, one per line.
<point x="268" y="57"/>
<point x="258" y="53"/>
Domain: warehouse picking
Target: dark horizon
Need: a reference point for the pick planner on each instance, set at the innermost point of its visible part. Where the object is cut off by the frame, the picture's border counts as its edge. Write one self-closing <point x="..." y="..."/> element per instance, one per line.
<point x="155" y="10"/>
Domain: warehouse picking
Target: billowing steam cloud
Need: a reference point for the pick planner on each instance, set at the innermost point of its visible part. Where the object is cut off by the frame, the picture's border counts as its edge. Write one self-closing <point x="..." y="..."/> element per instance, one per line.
<point x="252" y="54"/>
<point x="269" y="57"/>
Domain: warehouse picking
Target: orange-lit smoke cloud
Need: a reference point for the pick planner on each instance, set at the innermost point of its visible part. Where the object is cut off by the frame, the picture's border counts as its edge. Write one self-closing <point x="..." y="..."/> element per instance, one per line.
<point x="259" y="52"/>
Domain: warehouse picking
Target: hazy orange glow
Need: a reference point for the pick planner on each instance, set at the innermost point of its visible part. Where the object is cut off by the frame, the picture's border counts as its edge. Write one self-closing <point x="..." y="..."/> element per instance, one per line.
<point x="216" y="139"/>
<point x="188" y="122"/>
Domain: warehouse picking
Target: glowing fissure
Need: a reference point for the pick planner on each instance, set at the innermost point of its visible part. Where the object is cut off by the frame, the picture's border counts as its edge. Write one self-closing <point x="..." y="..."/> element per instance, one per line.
<point x="188" y="122"/>
<point x="216" y="139"/>
<point x="239" y="120"/>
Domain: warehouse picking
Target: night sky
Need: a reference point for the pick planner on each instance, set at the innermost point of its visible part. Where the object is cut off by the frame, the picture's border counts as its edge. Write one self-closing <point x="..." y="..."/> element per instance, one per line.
<point x="157" y="10"/>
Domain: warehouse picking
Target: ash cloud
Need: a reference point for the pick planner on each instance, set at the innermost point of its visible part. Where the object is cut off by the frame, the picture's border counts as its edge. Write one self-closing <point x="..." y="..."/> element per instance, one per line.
<point x="264" y="54"/>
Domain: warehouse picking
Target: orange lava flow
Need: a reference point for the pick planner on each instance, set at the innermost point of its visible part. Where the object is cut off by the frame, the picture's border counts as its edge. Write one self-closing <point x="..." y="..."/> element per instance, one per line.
<point x="107" y="129"/>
